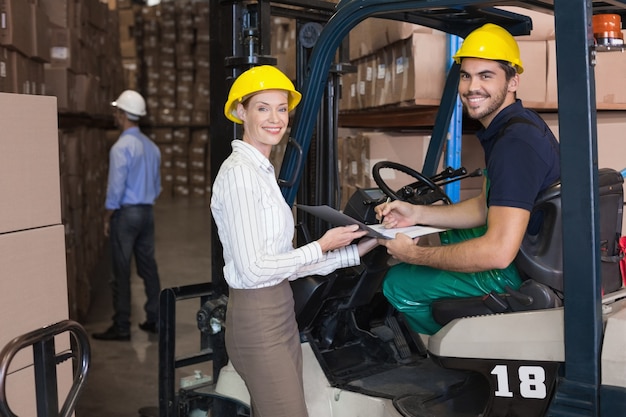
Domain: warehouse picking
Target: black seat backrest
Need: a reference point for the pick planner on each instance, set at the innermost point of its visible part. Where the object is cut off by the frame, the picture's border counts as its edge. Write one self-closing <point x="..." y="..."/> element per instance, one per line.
<point x="541" y="253"/>
<point x="540" y="258"/>
<point x="611" y="206"/>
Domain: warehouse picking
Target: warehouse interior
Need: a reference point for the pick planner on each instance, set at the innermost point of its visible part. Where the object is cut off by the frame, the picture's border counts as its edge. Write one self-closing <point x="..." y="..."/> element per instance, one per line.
<point x="66" y="60"/>
<point x="124" y="376"/>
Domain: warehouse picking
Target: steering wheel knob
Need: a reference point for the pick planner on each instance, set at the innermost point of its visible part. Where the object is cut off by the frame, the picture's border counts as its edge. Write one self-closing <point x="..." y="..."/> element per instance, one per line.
<point x="407" y="192"/>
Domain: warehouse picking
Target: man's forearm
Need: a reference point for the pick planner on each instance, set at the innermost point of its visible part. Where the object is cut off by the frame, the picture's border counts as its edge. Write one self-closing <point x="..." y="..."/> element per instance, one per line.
<point x="464" y="215"/>
<point x="469" y="256"/>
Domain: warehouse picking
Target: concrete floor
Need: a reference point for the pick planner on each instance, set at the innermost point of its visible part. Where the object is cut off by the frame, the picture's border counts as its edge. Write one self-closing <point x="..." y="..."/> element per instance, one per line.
<point x="123" y="376"/>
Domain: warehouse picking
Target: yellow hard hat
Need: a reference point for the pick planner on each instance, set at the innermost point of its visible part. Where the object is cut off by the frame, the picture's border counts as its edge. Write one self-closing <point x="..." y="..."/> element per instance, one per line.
<point x="491" y="42"/>
<point x="263" y="77"/>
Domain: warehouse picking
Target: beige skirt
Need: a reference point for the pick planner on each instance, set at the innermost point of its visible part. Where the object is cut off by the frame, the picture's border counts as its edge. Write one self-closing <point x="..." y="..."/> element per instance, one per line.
<point x="263" y="344"/>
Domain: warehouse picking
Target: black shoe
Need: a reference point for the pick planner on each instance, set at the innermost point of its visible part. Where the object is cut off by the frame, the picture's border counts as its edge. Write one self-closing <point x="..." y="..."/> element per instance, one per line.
<point x="149" y="326"/>
<point x="112" y="333"/>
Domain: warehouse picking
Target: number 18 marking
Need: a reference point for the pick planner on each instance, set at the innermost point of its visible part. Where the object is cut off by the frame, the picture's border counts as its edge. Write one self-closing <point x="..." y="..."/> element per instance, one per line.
<point x="531" y="381"/>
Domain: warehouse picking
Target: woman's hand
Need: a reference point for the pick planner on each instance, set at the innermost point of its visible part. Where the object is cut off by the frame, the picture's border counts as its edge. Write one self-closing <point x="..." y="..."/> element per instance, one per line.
<point x="338" y="237"/>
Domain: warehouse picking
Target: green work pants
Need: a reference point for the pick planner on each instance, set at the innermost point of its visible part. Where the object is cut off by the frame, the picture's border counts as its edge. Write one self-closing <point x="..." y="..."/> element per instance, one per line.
<point x="412" y="288"/>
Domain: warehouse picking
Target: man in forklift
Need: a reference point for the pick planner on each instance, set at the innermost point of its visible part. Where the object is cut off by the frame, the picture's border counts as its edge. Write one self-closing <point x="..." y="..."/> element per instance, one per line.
<point x="485" y="232"/>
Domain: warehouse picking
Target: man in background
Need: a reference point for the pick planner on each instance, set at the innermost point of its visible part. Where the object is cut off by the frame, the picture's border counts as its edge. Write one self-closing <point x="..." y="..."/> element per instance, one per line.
<point x="134" y="183"/>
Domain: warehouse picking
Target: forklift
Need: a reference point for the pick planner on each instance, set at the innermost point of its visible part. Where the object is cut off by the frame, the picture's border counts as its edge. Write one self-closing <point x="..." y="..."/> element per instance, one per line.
<point x="532" y="354"/>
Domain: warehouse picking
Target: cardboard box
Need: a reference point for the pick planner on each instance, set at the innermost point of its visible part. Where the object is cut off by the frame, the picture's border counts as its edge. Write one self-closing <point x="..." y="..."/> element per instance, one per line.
<point x="161" y="135"/>
<point x="610" y="79"/>
<point x="88" y="94"/>
<point x="404" y="148"/>
<point x="60" y="83"/>
<point x="610" y="74"/>
<point x="61" y="12"/>
<point x="472" y="158"/>
<point x="129" y="49"/>
<point x="29" y="162"/>
<point x="200" y="136"/>
<point x="348" y="91"/>
<point x="126" y="24"/>
<point x="65" y="49"/>
<point x="533" y="81"/>
<point x="415" y="78"/>
<point x="366" y="82"/>
<point x="4" y="62"/>
<point x="35" y="290"/>
<point x="16" y="31"/>
<point x="37" y="78"/>
<point x="199" y="118"/>
<point x="384" y="77"/>
<point x="41" y="37"/>
<point x="123" y="3"/>
<point x="181" y="135"/>
<point x="359" y="154"/>
<point x="551" y="86"/>
<point x="361" y="41"/>
<point x="543" y="23"/>
<point x="70" y="154"/>
<point x="373" y="34"/>
<point x="283" y="45"/>
<point x="611" y="144"/>
<point x="17" y="71"/>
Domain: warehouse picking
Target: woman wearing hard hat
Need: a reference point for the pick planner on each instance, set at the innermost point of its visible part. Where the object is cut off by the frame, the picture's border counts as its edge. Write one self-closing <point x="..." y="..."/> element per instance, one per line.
<point x="256" y="228"/>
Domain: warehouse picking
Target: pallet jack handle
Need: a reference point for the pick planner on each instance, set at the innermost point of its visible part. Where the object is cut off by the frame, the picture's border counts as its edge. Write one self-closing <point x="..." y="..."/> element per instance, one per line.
<point x="45" y="360"/>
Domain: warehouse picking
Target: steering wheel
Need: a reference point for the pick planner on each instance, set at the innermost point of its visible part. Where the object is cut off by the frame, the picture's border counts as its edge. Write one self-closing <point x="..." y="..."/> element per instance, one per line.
<point x="411" y="193"/>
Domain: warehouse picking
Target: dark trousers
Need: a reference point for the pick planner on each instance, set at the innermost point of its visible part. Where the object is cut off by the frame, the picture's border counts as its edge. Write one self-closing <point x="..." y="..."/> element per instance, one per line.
<point x="132" y="232"/>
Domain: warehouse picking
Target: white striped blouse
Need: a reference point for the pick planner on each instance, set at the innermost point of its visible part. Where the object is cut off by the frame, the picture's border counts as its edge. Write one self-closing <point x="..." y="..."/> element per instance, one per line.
<point x="256" y="226"/>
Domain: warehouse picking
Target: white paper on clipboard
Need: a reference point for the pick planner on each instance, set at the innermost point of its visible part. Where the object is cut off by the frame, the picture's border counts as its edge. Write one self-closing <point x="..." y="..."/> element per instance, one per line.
<point x="338" y="218"/>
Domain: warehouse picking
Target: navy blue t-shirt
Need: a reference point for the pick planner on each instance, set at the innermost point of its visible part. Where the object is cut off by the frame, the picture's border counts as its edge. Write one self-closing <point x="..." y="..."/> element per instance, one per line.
<point x="522" y="161"/>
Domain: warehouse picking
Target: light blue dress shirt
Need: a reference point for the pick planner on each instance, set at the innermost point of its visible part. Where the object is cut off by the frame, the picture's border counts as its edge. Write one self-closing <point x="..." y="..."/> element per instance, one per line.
<point x="134" y="171"/>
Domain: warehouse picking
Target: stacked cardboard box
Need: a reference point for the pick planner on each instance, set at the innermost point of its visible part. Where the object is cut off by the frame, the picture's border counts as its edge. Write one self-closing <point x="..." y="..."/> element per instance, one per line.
<point x="167" y="48"/>
<point x="68" y="49"/>
<point x="34" y="288"/>
<point x="199" y="169"/>
<point x="85" y="69"/>
<point x="83" y="168"/>
<point x="283" y="44"/>
<point x="610" y="78"/>
<point x="174" y="50"/>
<point x="360" y="150"/>
<point x="397" y="73"/>
<point x="411" y="70"/>
<point x="408" y="63"/>
<point x="85" y="74"/>
<point x="24" y="46"/>
<point x="128" y="44"/>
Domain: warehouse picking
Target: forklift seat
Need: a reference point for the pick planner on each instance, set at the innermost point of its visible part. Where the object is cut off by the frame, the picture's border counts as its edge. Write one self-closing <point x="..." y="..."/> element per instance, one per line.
<point x="540" y="258"/>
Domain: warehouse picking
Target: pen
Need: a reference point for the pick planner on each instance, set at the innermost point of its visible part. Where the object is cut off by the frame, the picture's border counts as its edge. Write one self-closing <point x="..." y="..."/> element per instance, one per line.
<point x="383" y="217"/>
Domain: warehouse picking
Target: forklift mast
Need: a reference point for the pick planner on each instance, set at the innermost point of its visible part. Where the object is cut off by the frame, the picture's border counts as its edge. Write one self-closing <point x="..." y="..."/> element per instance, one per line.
<point x="315" y="123"/>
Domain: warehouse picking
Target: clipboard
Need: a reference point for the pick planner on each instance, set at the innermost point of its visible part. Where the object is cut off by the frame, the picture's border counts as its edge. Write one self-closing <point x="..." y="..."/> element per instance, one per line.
<point x="379" y="231"/>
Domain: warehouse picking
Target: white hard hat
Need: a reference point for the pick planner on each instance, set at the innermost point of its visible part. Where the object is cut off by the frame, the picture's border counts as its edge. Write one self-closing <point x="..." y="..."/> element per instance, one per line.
<point x="132" y="103"/>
